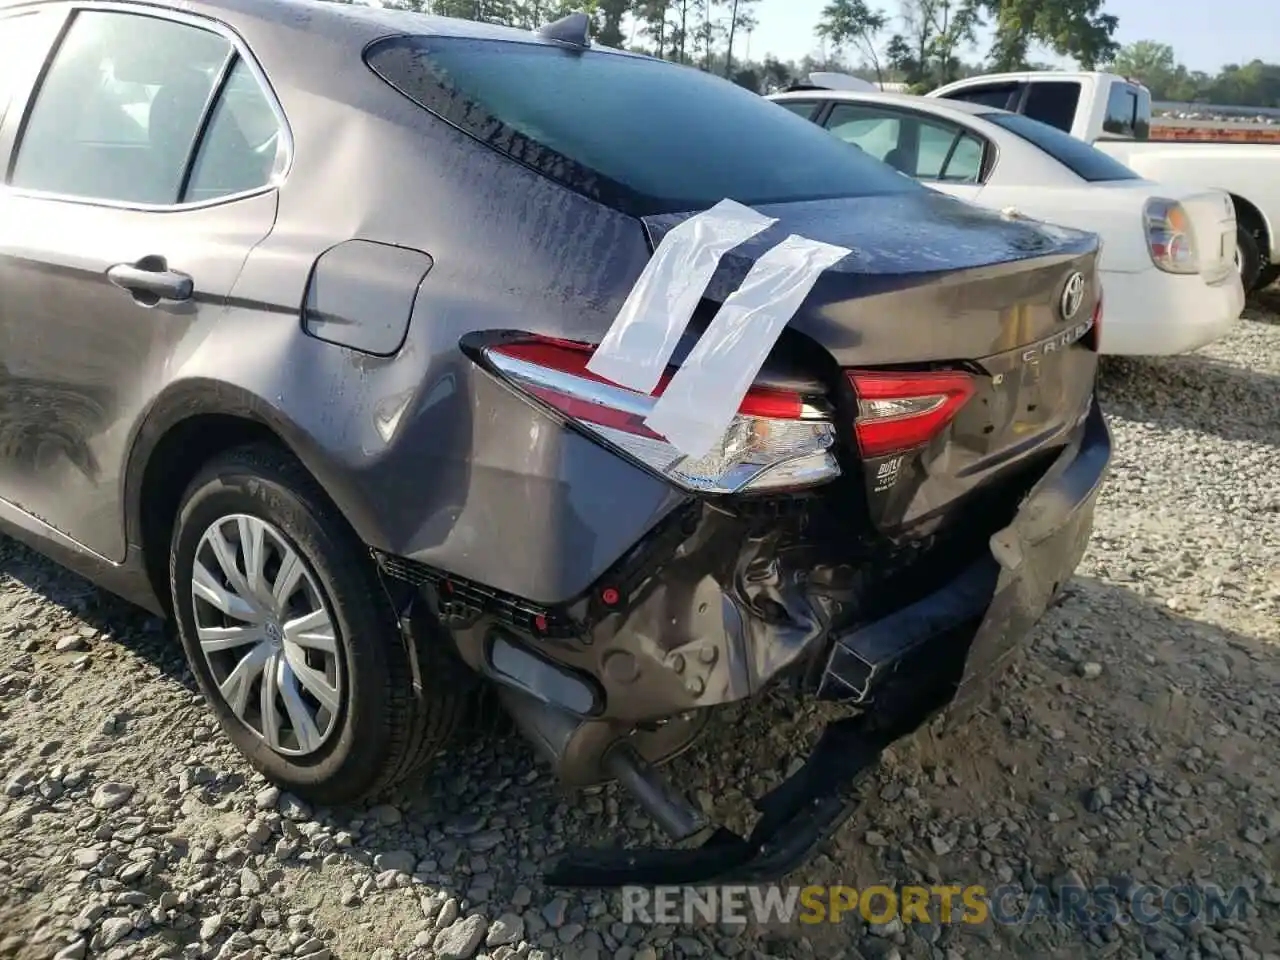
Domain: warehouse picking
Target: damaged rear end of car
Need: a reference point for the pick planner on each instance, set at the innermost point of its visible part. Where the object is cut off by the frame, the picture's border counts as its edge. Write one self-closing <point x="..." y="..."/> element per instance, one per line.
<point x="873" y="414"/>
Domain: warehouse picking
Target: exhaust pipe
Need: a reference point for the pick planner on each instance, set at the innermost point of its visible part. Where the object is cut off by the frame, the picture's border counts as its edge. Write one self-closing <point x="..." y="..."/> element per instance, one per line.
<point x="668" y="807"/>
<point x="584" y="752"/>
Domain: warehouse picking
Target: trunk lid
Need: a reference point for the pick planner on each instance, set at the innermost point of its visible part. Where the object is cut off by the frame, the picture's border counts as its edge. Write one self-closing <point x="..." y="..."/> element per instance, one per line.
<point x="931" y="278"/>
<point x="937" y="283"/>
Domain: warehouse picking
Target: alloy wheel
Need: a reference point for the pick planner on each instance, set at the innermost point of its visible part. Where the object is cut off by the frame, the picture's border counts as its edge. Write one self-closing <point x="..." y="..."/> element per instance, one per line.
<point x="264" y="628"/>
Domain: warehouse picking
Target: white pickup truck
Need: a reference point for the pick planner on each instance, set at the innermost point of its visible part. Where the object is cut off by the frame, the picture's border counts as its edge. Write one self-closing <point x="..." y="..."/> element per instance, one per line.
<point x="1114" y="114"/>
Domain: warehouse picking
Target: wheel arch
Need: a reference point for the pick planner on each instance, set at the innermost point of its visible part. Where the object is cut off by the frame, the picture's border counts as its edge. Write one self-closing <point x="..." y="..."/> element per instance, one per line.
<point x="1253" y="219"/>
<point x="185" y="428"/>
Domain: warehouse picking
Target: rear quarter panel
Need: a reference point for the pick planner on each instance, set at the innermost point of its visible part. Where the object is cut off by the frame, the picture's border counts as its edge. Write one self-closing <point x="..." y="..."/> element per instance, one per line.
<point x="1250" y="171"/>
<point x="424" y="454"/>
<point x="1115" y="215"/>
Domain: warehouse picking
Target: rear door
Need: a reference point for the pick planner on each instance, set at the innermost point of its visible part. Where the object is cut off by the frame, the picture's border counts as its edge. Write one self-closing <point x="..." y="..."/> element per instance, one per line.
<point x="143" y="171"/>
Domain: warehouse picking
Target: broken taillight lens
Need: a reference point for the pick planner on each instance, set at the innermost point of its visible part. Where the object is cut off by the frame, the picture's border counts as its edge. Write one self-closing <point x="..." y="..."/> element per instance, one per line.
<point x="901" y="410"/>
<point x="777" y="440"/>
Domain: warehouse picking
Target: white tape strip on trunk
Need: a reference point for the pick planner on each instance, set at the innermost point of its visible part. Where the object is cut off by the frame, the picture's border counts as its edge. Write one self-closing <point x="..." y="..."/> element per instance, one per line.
<point x="704" y="395"/>
<point x="636" y="350"/>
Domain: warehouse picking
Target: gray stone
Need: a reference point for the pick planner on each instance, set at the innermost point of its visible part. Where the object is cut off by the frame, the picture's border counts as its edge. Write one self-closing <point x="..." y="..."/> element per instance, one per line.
<point x="386" y="815"/>
<point x="267" y="798"/>
<point x="110" y="795"/>
<point x="400" y="860"/>
<point x="113" y="931"/>
<point x="508" y="928"/>
<point x="461" y="939"/>
<point x="250" y="885"/>
<point x="210" y="926"/>
<point x="556" y="912"/>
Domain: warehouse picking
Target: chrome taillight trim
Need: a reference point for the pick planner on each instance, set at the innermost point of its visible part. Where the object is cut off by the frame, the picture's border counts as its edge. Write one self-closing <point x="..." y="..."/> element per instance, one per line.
<point x="607" y="395"/>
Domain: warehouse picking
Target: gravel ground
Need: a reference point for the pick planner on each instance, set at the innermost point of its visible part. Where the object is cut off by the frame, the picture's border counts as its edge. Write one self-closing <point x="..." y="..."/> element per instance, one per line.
<point x="1136" y="743"/>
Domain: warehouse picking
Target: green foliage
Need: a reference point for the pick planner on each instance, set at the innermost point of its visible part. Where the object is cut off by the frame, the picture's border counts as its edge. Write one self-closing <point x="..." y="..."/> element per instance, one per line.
<point x="1070" y="28"/>
<point x="1255" y="84"/>
<point x="924" y="49"/>
<point x="853" y="22"/>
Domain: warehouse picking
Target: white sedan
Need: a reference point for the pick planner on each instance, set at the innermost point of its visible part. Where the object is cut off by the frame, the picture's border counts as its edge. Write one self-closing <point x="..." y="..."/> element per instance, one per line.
<point x="1168" y="252"/>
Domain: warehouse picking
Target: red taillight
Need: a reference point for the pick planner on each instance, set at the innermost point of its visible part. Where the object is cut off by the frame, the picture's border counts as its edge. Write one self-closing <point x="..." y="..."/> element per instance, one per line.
<point x="776" y="441"/>
<point x="1095" y="333"/>
<point x="569" y="357"/>
<point x="898" y="411"/>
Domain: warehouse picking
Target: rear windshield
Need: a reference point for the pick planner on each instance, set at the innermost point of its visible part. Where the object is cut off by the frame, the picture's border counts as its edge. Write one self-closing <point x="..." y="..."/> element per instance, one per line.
<point x="1084" y="160"/>
<point x="641" y="135"/>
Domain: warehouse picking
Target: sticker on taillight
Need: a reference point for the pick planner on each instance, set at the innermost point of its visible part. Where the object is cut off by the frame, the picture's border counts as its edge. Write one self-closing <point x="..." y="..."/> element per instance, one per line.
<point x="638" y="346"/>
<point x="776" y="439"/>
<point x="711" y="384"/>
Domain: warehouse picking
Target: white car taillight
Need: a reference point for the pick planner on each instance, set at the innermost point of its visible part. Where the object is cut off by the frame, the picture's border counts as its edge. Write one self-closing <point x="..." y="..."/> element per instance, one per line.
<point x="1171" y="239"/>
<point x="778" y="440"/>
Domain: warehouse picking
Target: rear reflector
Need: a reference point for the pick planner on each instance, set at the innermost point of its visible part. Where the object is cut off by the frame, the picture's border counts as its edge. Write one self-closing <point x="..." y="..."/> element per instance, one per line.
<point x="777" y="440"/>
<point x="898" y="411"/>
<point x="1095" y="332"/>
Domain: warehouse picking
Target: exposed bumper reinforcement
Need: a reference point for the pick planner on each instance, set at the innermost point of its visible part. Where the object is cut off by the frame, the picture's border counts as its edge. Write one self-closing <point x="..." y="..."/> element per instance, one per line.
<point x="794" y="818"/>
<point x="1001" y="596"/>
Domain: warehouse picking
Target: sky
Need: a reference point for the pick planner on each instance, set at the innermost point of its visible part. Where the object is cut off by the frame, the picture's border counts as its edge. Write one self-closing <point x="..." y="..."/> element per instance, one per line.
<point x="1204" y="34"/>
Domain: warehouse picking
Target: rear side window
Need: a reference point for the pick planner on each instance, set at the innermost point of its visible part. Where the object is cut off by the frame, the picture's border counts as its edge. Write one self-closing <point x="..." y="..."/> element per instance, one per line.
<point x="641" y="135"/>
<point x="927" y="148"/>
<point x="1128" y="113"/>
<point x="242" y="145"/>
<point x="1082" y="159"/>
<point x="1053" y="102"/>
<point x="121" y="106"/>
<point x="803" y="108"/>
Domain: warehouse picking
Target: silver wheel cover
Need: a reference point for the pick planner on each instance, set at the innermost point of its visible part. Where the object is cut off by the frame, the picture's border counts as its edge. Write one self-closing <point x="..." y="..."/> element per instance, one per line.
<point x="264" y="629"/>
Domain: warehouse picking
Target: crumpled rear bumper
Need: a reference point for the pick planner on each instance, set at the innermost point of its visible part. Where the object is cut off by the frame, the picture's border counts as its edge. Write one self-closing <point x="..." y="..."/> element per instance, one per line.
<point x="974" y="623"/>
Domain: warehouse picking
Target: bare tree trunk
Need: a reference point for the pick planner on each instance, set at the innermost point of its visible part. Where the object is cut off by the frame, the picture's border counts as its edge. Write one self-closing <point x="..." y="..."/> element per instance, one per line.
<point x="733" y="26"/>
<point x="684" y="27"/>
<point x="706" y="36"/>
<point x="944" y="56"/>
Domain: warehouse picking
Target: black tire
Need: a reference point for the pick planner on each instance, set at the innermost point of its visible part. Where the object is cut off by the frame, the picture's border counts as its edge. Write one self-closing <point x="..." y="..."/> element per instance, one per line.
<point x="383" y="729"/>
<point x="1250" y="258"/>
<point x="1267" y="276"/>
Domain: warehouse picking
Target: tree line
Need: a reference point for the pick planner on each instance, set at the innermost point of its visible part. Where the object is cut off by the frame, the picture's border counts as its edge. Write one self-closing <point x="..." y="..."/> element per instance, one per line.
<point x="1255" y="84"/>
<point x="924" y="44"/>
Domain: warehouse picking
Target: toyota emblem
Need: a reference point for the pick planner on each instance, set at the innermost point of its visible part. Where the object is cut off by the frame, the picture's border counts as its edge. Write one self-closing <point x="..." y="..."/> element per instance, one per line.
<point x="1072" y="296"/>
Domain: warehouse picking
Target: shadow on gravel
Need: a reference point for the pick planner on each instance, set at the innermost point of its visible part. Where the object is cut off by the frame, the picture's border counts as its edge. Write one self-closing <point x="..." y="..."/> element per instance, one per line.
<point x="1181" y="721"/>
<point x="1264" y="306"/>
<point x="139" y="631"/>
<point x="1194" y="392"/>
<point x="1160" y="770"/>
